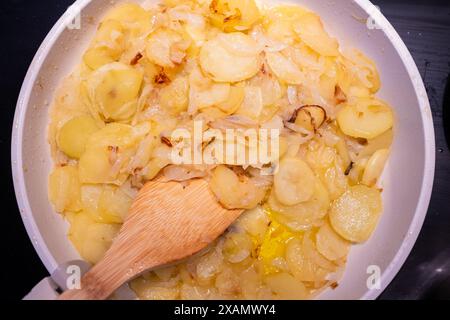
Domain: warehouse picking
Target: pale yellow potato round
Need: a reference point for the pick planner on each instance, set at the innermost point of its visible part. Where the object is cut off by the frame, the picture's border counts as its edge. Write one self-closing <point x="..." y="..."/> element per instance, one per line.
<point x="355" y="214"/>
<point x="113" y="205"/>
<point x="64" y="189"/>
<point x="305" y="215"/>
<point x="98" y="239"/>
<point x="175" y="97"/>
<point x="224" y="65"/>
<point x="110" y="32"/>
<point x="234" y="100"/>
<point x="254" y="222"/>
<point x="367" y="118"/>
<point x="159" y="47"/>
<point x="284" y="68"/>
<point x="300" y="266"/>
<point x="237" y="247"/>
<point x="233" y="15"/>
<point x="215" y="94"/>
<point x="374" y="167"/>
<point x="310" y="29"/>
<point x="311" y="252"/>
<point x="252" y="106"/>
<point x="286" y="287"/>
<point x="154" y="291"/>
<point x="97" y="57"/>
<point x="240" y="44"/>
<point x="294" y="182"/>
<point x="132" y="16"/>
<point x="73" y="135"/>
<point x="114" y="88"/>
<point x="330" y="244"/>
<point x="279" y="21"/>
<point x="233" y="193"/>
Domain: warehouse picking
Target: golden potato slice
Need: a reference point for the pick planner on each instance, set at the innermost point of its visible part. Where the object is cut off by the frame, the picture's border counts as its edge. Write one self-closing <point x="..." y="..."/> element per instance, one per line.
<point x="300" y="266"/>
<point x="286" y="287"/>
<point x="368" y="118"/>
<point x="225" y="65"/>
<point x="278" y="22"/>
<point x="237" y="247"/>
<point x="234" y="101"/>
<point x="254" y="222"/>
<point x="311" y="253"/>
<point x="294" y="182"/>
<point x="284" y="68"/>
<point x="310" y="30"/>
<point x="331" y="245"/>
<point x="64" y="189"/>
<point x="113" y="204"/>
<point x="98" y="239"/>
<point x="234" y="193"/>
<point x="160" y="47"/>
<point x="73" y="135"/>
<point x="133" y="18"/>
<point x="355" y="214"/>
<point x="305" y="215"/>
<point x="114" y="89"/>
<point x="97" y="57"/>
<point x="215" y="94"/>
<point x="233" y="15"/>
<point x="252" y="105"/>
<point x="175" y="97"/>
<point x="375" y="167"/>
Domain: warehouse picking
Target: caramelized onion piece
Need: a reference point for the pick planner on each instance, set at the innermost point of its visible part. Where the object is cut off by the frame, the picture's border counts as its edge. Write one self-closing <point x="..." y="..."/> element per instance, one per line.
<point x="309" y="117"/>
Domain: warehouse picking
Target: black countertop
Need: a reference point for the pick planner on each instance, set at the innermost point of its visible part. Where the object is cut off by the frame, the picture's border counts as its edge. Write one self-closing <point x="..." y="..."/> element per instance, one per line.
<point x="424" y="25"/>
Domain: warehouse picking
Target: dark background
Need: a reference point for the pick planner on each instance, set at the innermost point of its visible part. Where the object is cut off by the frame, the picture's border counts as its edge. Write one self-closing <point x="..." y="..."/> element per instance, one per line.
<point x="424" y="25"/>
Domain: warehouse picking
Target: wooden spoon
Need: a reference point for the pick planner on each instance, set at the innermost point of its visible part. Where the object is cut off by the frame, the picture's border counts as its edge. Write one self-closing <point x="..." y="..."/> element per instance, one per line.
<point x="166" y="222"/>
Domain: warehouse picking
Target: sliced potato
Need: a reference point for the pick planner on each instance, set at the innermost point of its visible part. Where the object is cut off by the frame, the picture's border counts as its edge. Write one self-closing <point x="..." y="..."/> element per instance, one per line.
<point x="97" y="57"/>
<point x="161" y="45"/>
<point x="368" y="118"/>
<point x="132" y="16"/>
<point x="234" y="193"/>
<point x="284" y="68"/>
<point x="175" y="97"/>
<point x="98" y="239"/>
<point x="233" y="15"/>
<point x="215" y="94"/>
<point x="64" y="189"/>
<point x="302" y="216"/>
<point x="252" y="105"/>
<point x="74" y="134"/>
<point x="234" y="101"/>
<point x="311" y="31"/>
<point x="331" y="245"/>
<point x="224" y="64"/>
<point x="254" y="222"/>
<point x="300" y="266"/>
<point x="237" y="247"/>
<point x="114" y="89"/>
<point x="355" y="214"/>
<point x="294" y="182"/>
<point x="286" y="287"/>
<point x="374" y="167"/>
